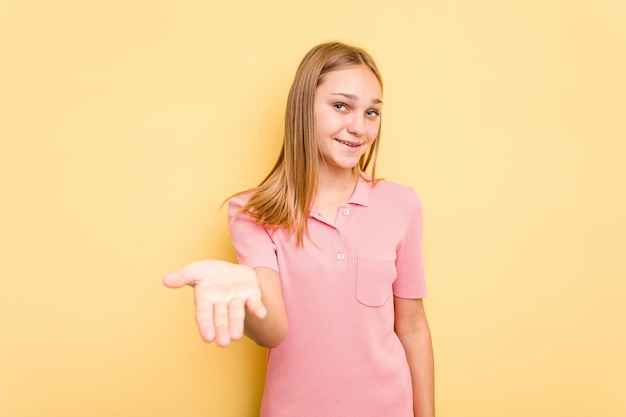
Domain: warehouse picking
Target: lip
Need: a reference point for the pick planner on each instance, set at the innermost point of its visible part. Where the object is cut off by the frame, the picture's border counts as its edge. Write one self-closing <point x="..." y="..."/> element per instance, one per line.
<point x="352" y="145"/>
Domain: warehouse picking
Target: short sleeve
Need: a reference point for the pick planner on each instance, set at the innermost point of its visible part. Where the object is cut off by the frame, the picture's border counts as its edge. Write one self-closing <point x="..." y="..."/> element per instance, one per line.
<point x="252" y="241"/>
<point x="410" y="281"/>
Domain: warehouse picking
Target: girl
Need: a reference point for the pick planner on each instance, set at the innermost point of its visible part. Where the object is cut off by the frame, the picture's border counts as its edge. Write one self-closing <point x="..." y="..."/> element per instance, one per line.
<point x="330" y="274"/>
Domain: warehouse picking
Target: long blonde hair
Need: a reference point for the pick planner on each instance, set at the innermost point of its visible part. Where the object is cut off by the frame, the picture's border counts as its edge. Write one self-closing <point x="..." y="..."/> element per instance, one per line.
<point x="285" y="196"/>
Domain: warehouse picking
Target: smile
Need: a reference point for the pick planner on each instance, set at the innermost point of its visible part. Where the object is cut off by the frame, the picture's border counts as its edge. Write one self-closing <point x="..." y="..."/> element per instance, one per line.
<point x="351" y="144"/>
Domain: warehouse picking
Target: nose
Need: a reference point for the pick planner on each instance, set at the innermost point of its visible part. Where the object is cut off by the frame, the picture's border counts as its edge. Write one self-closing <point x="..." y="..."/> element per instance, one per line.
<point x="356" y="126"/>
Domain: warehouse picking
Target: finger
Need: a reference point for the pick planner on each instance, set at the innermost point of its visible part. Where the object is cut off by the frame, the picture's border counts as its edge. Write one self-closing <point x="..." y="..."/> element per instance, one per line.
<point x="177" y="279"/>
<point x="256" y="307"/>
<point x="220" y="320"/>
<point x="204" y="318"/>
<point x="236" y="315"/>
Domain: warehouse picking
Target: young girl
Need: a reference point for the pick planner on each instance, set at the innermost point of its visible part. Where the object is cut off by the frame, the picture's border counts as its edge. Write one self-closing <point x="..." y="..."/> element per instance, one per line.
<point x="330" y="274"/>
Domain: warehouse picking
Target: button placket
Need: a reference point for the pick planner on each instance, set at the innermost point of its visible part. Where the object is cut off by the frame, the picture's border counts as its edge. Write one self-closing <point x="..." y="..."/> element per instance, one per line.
<point x="339" y="243"/>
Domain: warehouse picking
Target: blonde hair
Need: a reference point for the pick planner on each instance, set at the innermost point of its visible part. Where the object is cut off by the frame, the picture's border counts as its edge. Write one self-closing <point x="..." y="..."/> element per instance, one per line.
<point x="285" y="196"/>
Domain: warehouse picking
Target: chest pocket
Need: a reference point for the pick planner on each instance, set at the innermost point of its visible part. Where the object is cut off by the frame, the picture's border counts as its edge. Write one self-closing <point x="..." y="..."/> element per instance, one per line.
<point x="374" y="278"/>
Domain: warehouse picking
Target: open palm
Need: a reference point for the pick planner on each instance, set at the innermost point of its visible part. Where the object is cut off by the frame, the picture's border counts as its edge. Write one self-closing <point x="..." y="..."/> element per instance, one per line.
<point x="222" y="292"/>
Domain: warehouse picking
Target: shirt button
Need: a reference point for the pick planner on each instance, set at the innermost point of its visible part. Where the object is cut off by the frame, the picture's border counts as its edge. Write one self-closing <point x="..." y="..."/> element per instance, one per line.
<point x="346" y="212"/>
<point x="340" y="256"/>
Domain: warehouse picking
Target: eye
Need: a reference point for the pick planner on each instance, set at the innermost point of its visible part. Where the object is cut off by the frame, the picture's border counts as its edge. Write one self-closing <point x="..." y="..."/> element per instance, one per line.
<point x="340" y="106"/>
<point x="373" y="113"/>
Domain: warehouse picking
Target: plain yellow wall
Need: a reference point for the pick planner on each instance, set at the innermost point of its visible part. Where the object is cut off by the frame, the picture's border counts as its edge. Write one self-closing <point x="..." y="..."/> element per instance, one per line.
<point x="125" y="124"/>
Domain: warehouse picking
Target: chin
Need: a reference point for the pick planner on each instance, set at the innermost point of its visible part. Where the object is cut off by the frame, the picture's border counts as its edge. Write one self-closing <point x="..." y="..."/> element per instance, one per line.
<point x="346" y="166"/>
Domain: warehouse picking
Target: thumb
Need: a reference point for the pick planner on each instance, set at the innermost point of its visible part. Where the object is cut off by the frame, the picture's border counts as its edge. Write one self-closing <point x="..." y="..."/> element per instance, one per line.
<point x="177" y="279"/>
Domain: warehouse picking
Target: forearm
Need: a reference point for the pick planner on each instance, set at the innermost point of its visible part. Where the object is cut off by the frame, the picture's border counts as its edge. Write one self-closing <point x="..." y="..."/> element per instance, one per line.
<point x="412" y="329"/>
<point x="419" y="352"/>
<point x="271" y="329"/>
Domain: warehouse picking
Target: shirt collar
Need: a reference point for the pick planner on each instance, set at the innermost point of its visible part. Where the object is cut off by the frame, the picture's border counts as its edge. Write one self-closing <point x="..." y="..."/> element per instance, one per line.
<point x="361" y="195"/>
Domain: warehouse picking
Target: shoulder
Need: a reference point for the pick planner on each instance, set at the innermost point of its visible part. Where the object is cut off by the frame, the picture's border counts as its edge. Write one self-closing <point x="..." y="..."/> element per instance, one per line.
<point x="388" y="192"/>
<point x="237" y="202"/>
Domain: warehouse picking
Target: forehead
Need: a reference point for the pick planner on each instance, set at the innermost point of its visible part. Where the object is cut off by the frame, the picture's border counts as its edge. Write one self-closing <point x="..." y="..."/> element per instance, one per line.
<point x="357" y="80"/>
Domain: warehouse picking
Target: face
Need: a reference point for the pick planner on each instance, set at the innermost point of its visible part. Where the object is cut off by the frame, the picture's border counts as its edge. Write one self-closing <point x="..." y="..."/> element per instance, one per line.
<point x="347" y="107"/>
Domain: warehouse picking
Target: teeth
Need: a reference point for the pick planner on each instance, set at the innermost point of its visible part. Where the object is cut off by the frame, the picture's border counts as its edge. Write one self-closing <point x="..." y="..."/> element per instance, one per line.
<point x="354" y="145"/>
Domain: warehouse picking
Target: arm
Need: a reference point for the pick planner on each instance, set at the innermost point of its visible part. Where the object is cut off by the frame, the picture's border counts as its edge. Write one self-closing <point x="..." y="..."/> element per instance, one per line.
<point x="226" y="294"/>
<point x="270" y="330"/>
<point x="412" y="329"/>
<point x="234" y="298"/>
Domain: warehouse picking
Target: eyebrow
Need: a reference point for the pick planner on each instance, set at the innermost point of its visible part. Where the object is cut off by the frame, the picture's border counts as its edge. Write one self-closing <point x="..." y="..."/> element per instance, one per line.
<point x="353" y="97"/>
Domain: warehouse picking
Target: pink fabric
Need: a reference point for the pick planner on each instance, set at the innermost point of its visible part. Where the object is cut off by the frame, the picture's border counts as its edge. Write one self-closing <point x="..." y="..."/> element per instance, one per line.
<point x="341" y="356"/>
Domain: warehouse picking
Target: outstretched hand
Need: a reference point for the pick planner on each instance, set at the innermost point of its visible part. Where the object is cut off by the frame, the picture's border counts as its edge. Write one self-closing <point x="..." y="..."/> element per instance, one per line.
<point x="222" y="291"/>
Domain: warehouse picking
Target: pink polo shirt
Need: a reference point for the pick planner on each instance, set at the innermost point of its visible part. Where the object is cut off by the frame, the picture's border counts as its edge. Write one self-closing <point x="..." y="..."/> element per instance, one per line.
<point x="341" y="356"/>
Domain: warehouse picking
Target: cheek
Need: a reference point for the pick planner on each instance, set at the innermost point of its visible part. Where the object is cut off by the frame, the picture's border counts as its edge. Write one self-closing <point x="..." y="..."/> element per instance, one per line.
<point x="328" y="123"/>
<point x="373" y="130"/>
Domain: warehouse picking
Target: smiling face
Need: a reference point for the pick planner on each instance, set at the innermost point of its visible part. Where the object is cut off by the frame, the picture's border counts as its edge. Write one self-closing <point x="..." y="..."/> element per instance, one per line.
<point x="347" y="106"/>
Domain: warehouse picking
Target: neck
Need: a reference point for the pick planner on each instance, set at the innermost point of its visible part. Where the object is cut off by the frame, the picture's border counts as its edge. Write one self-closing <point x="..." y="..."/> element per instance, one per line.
<point x="335" y="186"/>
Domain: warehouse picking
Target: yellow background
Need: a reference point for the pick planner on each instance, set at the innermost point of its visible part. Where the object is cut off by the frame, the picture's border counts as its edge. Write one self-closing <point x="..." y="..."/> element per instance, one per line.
<point x="125" y="124"/>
